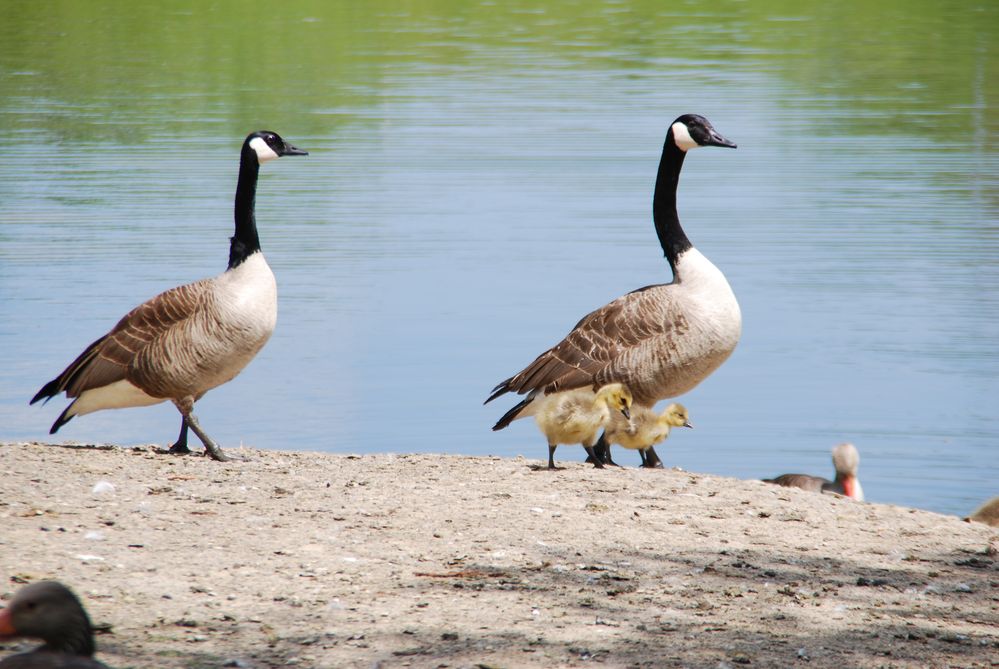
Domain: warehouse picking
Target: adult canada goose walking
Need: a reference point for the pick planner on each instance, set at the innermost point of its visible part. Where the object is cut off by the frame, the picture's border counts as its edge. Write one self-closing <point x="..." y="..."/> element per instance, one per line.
<point x="660" y="341"/>
<point x="845" y="459"/>
<point x="190" y="339"/>
<point x="49" y="611"/>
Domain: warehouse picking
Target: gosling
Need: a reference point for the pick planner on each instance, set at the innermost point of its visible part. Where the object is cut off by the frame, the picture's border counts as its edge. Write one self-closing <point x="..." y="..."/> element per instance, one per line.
<point x="845" y="460"/>
<point x="645" y="429"/>
<point x="576" y="416"/>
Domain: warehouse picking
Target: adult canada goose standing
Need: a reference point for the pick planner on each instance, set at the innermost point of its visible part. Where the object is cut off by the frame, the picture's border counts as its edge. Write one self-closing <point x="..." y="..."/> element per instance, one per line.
<point x="845" y="460"/>
<point x="660" y="341"/>
<point x="645" y="428"/>
<point x="190" y="339"/>
<point x="576" y="416"/>
<point x="49" y="611"/>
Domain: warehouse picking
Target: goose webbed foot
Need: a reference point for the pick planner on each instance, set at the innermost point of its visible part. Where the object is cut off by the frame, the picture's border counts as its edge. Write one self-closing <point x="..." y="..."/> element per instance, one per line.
<point x="180" y="446"/>
<point x="650" y="460"/>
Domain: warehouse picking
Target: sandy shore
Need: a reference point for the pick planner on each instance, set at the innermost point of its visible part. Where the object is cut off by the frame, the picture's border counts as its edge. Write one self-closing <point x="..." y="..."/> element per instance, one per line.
<point x="316" y="560"/>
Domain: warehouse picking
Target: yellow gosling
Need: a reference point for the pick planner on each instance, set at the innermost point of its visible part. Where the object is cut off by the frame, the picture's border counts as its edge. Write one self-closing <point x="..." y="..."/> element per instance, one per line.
<point x="646" y="428"/>
<point x="576" y="416"/>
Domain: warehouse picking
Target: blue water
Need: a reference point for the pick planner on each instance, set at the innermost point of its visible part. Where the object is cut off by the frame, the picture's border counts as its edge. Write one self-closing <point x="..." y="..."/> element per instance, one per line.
<point x="457" y="217"/>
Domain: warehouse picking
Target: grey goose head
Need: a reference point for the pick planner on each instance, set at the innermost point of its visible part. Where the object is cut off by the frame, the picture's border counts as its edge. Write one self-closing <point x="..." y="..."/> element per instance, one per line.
<point x="49" y="611"/>
<point x="690" y="131"/>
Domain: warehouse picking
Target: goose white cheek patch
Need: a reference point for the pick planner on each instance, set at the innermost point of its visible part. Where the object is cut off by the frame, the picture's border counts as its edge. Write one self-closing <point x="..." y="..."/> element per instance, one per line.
<point x="682" y="137"/>
<point x="264" y="152"/>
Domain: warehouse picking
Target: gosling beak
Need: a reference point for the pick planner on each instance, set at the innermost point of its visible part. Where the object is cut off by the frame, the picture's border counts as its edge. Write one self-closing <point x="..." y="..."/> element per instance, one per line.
<point x="626" y="412"/>
<point x="687" y="424"/>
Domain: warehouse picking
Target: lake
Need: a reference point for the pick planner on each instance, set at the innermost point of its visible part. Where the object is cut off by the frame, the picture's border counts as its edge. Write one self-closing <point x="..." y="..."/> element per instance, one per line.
<point x="480" y="176"/>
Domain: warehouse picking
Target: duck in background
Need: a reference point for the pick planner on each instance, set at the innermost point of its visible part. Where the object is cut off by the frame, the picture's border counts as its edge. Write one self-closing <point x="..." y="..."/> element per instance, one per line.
<point x="49" y="611"/>
<point x="845" y="459"/>
<point x="645" y="429"/>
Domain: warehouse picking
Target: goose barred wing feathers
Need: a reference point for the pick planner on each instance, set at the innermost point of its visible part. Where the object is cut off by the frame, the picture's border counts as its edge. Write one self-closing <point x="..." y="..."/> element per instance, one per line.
<point x="120" y="353"/>
<point x="615" y="343"/>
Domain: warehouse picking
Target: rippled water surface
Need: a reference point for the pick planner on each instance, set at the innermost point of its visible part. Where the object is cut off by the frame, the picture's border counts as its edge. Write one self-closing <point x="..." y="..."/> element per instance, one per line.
<point x="480" y="176"/>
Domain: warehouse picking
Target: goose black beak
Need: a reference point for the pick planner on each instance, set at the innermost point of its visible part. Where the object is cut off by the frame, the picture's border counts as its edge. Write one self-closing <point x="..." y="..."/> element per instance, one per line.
<point x="715" y="139"/>
<point x="687" y="424"/>
<point x="627" y="414"/>
<point x="290" y="150"/>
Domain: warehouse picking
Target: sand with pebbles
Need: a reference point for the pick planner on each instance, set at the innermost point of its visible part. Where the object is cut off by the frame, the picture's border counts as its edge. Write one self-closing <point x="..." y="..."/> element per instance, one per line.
<point x="281" y="559"/>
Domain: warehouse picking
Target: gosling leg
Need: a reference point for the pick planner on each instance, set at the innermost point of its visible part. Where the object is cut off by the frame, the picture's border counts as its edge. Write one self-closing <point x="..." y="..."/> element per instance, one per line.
<point x="597" y="464"/>
<point x="650" y="459"/>
<point x="603" y="450"/>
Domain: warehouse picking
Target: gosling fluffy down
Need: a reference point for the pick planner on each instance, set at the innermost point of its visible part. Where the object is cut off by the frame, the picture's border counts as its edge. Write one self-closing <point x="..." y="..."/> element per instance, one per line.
<point x="646" y="428"/>
<point x="576" y="416"/>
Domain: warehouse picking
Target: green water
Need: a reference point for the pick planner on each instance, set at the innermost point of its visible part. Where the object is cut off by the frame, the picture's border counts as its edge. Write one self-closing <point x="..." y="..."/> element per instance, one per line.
<point x="480" y="177"/>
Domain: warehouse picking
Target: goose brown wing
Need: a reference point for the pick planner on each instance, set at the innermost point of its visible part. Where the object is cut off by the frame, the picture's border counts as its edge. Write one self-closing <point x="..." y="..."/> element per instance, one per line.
<point x="593" y="351"/>
<point x="108" y="359"/>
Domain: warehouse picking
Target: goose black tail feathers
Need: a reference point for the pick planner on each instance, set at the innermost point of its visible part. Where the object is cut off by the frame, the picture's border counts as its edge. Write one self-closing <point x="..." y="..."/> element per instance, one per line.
<point x="501" y="388"/>
<point x="48" y="391"/>
<point x="511" y="415"/>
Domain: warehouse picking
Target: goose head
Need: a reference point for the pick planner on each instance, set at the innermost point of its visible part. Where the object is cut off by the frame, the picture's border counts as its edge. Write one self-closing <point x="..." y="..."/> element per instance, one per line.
<point x="846" y="459"/>
<point x="50" y="611"/>
<point x="675" y="415"/>
<point x="616" y="397"/>
<point x="692" y="130"/>
<point x="267" y="145"/>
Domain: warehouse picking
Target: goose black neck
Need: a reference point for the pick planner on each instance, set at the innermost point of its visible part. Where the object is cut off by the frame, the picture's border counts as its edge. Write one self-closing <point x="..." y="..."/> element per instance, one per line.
<point x="245" y="242"/>
<point x="671" y="236"/>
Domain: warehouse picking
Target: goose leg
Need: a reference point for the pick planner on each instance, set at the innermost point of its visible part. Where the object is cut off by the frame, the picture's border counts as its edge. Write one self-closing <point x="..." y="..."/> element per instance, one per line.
<point x="551" y="455"/>
<point x="603" y="450"/>
<point x="651" y="460"/>
<point x="597" y="464"/>
<point x="180" y="446"/>
<point x="186" y="408"/>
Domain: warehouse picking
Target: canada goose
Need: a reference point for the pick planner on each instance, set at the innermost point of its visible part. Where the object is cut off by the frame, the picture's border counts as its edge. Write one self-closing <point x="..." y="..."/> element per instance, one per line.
<point x="49" y="611"/>
<point x="845" y="460"/>
<point x="646" y="428"/>
<point x="662" y="340"/>
<point x="576" y="416"/>
<point x="190" y="339"/>
<point x="987" y="513"/>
